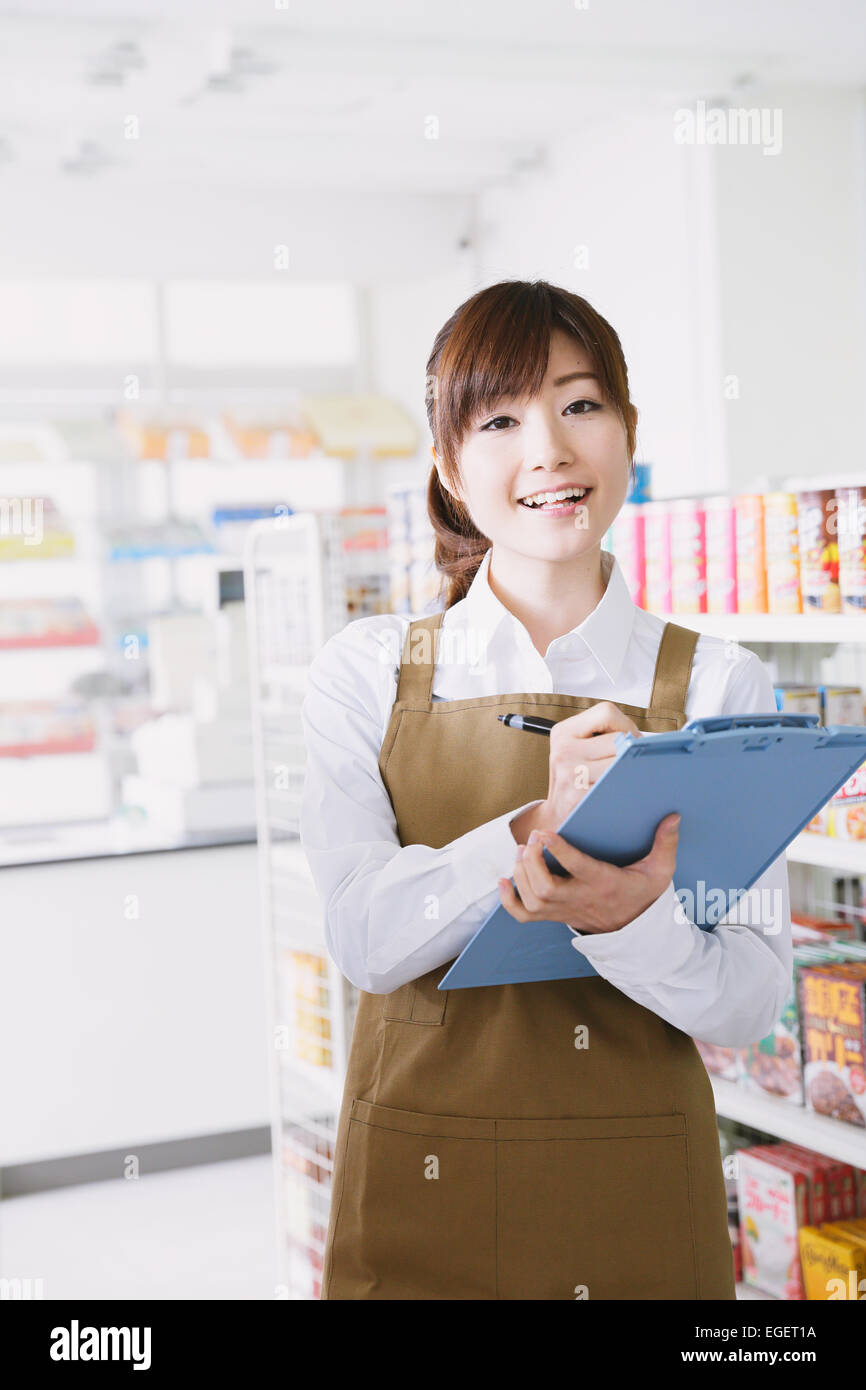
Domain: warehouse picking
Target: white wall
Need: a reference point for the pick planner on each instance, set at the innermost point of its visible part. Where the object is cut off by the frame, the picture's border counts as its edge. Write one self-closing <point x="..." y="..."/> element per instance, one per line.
<point x="405" y="317"/>
<point x="792" y="245"/>
<point x="641" y="206"/>
<point x="713" y="261"/>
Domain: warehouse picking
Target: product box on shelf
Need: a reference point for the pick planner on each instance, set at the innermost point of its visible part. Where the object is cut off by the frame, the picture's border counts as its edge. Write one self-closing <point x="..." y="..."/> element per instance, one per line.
<point x="688" y="555"/>
<point x="846" y="810"/>
<point x="821" y="931"/>
<point x="773" y="1066"/>
<point x="751" y="553"/>
<point x="833" y="1262"/>
<point x="851" y="539"/>
<point x="819" y="550"/>
<point x="798" y="699"/>
<point x="782" y="553"/>
<point x="45" y="622"/>
<point x="721" y="542"/>
<point x="163" y="437"/>
<point x="284" y="438"/>
<point x="832" y="1016"/>
<point x="841" y="704"/>
<point x="838" y="1181"/>
<point x="724" y="1062"/>
<point x="657" y="552"/>
<point x="773" y="1204"/>
<point x="628" y="541"/>
<point x="33" y="529"/>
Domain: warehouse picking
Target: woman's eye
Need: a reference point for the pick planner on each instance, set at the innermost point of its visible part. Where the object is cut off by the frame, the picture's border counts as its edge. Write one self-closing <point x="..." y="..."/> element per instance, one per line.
<point x="581" y="407"/>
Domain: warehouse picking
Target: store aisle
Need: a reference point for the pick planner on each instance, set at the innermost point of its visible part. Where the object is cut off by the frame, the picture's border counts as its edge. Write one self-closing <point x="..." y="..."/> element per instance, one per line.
<point x="204" y="1232"/>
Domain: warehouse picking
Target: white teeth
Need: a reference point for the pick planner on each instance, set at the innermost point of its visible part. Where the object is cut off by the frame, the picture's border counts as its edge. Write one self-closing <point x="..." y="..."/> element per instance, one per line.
<point x="539" y="498"/>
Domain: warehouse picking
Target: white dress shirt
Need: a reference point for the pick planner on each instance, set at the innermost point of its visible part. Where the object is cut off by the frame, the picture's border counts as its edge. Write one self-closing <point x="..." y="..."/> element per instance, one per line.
<point x="726" y="986"/>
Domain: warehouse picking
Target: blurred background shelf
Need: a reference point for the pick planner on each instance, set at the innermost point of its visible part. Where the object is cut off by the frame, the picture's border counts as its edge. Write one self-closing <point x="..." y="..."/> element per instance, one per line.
<point x="830" y="628"/>
<point x="792" y="1122"/>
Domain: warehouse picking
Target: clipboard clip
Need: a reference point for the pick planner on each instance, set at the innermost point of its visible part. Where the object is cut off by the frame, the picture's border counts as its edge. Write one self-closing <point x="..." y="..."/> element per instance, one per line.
<point x="719" y="723"/>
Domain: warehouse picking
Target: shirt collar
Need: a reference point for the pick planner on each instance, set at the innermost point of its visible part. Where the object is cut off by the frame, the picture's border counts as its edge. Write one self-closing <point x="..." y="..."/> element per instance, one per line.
<point x="605" y="632"/>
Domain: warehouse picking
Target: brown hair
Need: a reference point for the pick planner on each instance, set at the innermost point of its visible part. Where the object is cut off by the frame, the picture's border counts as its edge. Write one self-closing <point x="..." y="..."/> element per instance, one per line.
<point x="497" y="344"/>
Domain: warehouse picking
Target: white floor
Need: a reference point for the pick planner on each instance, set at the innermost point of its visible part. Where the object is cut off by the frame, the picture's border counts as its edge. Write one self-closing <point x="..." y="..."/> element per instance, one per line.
<point x="206" y="1232"/>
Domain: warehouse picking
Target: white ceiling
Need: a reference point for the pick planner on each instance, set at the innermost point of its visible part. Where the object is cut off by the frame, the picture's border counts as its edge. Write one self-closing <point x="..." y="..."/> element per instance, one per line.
<point x="334" y="94"/>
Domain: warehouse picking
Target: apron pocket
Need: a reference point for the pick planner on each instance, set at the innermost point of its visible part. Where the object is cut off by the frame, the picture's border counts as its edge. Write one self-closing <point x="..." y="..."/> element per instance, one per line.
<point x="419" y="1001"/>
<point x="417" y="1214"/>
<point x="597" y="1208"/>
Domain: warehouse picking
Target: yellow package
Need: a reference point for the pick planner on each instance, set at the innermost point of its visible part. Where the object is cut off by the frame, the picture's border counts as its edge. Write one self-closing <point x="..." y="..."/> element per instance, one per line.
<point x="833" y="1262"/>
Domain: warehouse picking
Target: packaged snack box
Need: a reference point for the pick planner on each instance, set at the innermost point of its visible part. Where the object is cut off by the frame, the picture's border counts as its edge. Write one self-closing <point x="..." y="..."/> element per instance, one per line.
<point x="688" y="556"/>
<point x="838" y="1182"/>
<point x="772" y="1201"/>
<point x="841" y="704"/>
<point x="781" y="540"/>
<point x="821" y="929"/>
<point x="853" y="1227"/>
<point x="832" y="1014"/>
<point x="841" y="1190"/>
<point x="804" y="1161"/>
<point x="833" y="1263"/>
<point x="751" y="554"/>
<point x="627" y="539"/>
<point x="798" y="699"/>
<point x="819" y="551"/>
<point x="774" y="1065"/>
<point x="847" y="809"/>
<point x="657" y="551"/>
<point x="721" y="538"/>
<point x="851" y="539"/>
<point x="820" y="822"/>
<point x="720" y="1061"/>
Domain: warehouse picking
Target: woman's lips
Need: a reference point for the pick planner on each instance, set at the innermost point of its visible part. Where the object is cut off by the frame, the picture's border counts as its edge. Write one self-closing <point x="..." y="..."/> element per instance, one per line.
<point x="558" y="508"/>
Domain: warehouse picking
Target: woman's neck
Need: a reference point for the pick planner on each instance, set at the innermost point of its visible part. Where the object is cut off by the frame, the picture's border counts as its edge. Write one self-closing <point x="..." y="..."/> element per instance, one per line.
<point x="549" y="599"/>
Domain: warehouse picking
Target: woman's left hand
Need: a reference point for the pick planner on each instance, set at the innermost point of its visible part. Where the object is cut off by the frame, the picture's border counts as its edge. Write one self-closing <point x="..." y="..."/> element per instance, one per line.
<point x="597" y="897"/>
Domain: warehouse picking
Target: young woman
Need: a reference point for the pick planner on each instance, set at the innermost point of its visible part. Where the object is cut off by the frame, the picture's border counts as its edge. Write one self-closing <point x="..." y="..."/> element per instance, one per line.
<point x="555" y="1140"/>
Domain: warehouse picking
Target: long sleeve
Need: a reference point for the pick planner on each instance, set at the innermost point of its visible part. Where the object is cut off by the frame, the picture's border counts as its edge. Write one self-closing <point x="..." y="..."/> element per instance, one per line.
<point x="391" y="913"/>
<point x="727" y="986"/>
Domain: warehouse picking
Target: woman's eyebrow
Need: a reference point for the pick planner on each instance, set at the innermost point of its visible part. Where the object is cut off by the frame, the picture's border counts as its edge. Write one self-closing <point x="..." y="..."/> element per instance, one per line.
<point x="573" y="376"/>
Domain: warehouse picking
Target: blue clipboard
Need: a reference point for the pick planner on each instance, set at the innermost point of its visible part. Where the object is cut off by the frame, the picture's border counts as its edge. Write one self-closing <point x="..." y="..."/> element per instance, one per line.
<point x="745" y="786"/>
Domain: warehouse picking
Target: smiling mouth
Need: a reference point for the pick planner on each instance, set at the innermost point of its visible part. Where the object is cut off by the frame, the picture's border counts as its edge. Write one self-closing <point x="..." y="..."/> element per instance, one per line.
<point x="565" y="500"/>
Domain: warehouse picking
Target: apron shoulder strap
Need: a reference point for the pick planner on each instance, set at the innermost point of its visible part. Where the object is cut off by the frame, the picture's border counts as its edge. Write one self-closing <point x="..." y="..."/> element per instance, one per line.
<point x="673" y="670"/>
<point x="418" y="661"/>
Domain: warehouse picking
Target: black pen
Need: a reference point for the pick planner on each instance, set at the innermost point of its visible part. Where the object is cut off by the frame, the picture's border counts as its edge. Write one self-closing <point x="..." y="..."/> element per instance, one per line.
<point x="532" y="724"/>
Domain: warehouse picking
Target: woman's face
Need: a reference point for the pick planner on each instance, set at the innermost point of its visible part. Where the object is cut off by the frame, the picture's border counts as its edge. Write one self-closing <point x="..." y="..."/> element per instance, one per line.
<point x="568" y="436"/>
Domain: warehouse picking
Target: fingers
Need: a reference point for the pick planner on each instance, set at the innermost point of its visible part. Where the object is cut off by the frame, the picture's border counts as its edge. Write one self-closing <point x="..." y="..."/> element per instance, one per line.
<point x="601" y="718"/>
<point x="660" y="863"/>
<point x="539" y="889"/>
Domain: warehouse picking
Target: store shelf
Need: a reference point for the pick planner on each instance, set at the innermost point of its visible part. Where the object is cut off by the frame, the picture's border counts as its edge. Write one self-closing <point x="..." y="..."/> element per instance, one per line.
<point x="791" y="1122"/>
<point x="824" y="852"/>
<point x="745" y="1294"/>
<point x="772" y="627"/>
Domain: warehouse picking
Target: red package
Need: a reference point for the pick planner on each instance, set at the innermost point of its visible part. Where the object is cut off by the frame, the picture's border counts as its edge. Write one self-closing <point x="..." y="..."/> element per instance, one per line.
<point x="838" y="1182"/>
<point x="812" y="1169"/>
<point x="773" y="1201"/>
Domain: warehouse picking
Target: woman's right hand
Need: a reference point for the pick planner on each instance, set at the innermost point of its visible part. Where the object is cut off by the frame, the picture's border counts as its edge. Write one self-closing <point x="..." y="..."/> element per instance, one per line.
<point x="582" y="747"/>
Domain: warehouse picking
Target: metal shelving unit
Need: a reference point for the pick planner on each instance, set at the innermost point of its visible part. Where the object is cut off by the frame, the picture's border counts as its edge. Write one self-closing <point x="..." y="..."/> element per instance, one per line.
<point x="825" y="873"/>
<point x="304" y="580"/>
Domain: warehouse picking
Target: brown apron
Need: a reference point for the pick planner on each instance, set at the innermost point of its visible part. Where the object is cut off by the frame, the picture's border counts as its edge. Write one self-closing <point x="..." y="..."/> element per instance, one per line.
<point x="534" y="1141"/>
